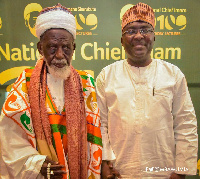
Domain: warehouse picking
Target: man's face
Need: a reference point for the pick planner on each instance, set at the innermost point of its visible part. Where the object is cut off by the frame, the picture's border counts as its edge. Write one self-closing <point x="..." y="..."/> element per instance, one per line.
<point x="57" y="47"/>
<point x="138" y="46"/>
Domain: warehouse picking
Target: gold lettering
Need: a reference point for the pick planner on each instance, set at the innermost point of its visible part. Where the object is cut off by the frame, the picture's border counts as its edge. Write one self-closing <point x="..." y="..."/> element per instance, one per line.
<point x="16" y="55"/>
<point x="162" y="53"/>
<point x="37" y="54"/>
<point x="83" y="51"/>
<point x="24" y="52"/>
<point x="159" y="53"/>
<point x="177" y="33"/>
<point x="161" y="19"/>
<point x="115" y="51"/>
<point x="173" y="53"/>
<point x="123" y="53"/>
<point x="7" y="53"/>
<point x="158" y="33"/>
<point x="73" y="57"/>
<point x="96" y="52"/>
<point x="32" y="51"/>
<point x="164" y="9"/>
<point x="107" y="52"/>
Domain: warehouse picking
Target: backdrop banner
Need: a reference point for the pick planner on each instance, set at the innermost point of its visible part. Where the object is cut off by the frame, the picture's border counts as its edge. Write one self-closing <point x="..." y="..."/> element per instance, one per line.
<point x="98" y="41"/>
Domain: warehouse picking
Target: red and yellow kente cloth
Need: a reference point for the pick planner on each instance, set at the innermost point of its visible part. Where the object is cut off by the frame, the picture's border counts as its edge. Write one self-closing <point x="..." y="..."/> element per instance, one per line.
<point x="57" y="121"/>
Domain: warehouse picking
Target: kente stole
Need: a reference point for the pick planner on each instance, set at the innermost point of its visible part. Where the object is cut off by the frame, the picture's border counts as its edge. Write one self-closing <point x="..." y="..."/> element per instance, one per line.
<point x="63" y="125"/>
<point x="75" y="115"/>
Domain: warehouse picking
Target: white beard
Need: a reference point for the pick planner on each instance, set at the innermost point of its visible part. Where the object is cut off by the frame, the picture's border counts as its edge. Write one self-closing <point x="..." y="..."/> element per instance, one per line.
<point x="62" y="73"/>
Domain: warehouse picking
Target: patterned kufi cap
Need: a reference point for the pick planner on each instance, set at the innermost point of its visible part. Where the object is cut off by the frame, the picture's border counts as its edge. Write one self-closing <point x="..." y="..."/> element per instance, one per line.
<point x="139" y="12"/>
<point x="55" y="17"/>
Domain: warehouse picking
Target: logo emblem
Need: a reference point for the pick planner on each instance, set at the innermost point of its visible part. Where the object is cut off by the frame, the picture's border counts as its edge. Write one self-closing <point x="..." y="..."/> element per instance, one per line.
<point x="86" y="24"/>
<point x="178" y="23"/>
<point x="124" y="9"/>
<point x="31" y="12"/>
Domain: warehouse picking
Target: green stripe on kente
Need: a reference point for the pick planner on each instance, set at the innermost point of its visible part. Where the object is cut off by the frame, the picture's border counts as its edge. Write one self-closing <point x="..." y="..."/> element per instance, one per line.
<point x="84" y="77"/>
<point x="84" y="89"/>
<point x="27" y="78"/>
<point x="93" y="139"/>
<point x="51" y="102"/>
<point x="58" y="128"/>
<point x="53" y="141"/>
<point x="92" y="81"/>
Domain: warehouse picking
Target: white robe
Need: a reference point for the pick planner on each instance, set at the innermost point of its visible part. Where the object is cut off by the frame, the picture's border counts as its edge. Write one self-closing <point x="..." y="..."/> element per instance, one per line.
<point x="13" y="138"/>
<point x="149" y="127"/>
<point x="18" y="158"/>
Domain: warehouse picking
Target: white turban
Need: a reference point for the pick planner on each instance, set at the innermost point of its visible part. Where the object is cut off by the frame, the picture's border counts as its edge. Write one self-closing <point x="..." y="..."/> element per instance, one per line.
<point x="55" y="18"/>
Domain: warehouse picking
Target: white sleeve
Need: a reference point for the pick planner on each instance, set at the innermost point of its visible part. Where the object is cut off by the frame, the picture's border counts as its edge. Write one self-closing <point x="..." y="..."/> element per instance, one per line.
<point x="185" y="129"/>
<point x="107" y="152"/>
<point x="19" y="158"/>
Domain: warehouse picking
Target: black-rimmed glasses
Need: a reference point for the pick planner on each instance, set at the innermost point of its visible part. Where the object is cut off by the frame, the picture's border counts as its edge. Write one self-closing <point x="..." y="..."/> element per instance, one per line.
<point x="131" y="32"/>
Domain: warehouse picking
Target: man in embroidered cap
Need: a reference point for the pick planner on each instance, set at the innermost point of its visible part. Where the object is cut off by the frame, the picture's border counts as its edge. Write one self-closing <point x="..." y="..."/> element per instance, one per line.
<point x="50" y="120"/>
<point x="149" y="127"/>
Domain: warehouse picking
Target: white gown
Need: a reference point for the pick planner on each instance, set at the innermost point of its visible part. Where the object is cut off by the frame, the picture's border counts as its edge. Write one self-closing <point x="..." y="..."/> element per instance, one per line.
<point x="149" y="127"/>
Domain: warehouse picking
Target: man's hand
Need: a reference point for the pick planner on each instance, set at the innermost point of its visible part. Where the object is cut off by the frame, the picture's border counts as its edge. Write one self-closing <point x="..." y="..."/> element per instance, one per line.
<point x="107" y="170"/>
<point x="176" y="176"/>
<point x="55" y="167"/>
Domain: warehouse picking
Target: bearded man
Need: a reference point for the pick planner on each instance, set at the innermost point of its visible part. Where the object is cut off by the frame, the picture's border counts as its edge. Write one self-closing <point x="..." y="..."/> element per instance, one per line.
<point x="50" y="124"/>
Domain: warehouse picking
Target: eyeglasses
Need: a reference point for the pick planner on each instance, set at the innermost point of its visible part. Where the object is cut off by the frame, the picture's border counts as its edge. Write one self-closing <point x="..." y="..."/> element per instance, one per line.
<point x="131" y="32"/>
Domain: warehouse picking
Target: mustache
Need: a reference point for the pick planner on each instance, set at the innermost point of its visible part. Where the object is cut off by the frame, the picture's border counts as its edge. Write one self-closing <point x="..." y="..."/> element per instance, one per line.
<point x="61" y="61"/>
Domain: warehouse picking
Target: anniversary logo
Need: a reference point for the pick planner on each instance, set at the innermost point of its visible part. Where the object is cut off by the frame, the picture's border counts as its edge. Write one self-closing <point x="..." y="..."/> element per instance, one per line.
<point x="86" y="20"/>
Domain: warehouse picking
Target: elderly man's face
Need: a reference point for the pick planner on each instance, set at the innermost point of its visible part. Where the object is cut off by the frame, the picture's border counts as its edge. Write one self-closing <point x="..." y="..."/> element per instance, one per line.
<point x="57" y="47"/>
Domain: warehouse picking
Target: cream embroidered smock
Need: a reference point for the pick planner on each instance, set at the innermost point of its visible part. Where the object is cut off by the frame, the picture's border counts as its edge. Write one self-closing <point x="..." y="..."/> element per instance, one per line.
<point x="149" y="127"/>
<point x="56" y="88"/>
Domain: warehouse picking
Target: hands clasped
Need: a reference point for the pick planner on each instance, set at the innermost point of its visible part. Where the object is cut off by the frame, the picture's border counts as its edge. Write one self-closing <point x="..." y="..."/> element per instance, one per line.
<point x="52" y="170"/>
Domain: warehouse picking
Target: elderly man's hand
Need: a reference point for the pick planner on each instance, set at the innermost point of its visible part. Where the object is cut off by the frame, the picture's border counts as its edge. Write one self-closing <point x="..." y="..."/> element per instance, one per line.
<point x="176" y="176"/>
<point x="107" y="170"/>
<point x="55" y="169"/>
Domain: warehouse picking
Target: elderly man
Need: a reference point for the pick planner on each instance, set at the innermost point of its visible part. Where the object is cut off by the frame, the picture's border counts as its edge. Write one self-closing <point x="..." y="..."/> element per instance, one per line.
<point x="149" y="127"/>
<point x="50" y="125"/>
